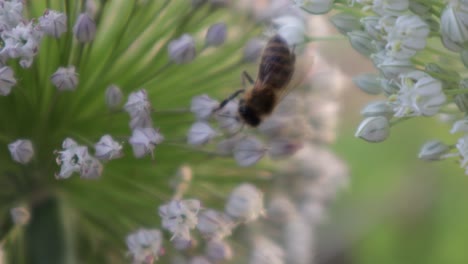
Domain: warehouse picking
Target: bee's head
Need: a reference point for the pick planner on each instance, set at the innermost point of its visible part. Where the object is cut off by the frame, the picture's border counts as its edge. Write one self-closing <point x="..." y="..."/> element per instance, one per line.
<point x="248" y="114"/>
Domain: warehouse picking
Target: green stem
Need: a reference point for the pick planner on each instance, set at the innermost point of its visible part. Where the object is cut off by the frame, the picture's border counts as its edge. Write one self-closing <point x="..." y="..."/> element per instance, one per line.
<point x="456" y="91"/>
<point x="399" y="120"/>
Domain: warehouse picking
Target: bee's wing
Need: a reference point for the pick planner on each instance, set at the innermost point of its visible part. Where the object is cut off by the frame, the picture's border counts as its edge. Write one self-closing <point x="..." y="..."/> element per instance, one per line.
<point x="302" y="69"/>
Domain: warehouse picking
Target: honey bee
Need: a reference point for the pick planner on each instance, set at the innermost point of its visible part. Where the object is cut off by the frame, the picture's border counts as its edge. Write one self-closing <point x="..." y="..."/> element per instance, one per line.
<point x="272" y="84"/>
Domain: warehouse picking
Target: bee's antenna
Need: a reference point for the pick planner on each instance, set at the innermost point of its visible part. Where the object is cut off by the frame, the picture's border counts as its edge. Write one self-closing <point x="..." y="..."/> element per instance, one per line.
<point x="245" y="75"/>
<point x="227" y="100"/>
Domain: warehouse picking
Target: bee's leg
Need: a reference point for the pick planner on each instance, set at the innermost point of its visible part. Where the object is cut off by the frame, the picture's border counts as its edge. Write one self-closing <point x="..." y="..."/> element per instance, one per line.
<point x="230" y="98"/>
<point x="246" y="76"/>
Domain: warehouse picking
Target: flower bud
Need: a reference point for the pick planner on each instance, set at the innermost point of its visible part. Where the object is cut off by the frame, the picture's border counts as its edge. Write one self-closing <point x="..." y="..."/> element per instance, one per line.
<point x="7" y="80"/>
<point x="248" y="151"/>
<point x="226" y="146"/>
<point x="202" y="106"/>
<point x="453" y="23"/>
<point x="21" y="151"/>
<point x="420" y="8"/>
<point x="373" y="129"/>
<point x="114" y="96"/>
<point x="433" y="150"/>
<point x="369" y="83"/>
<point x="389" y="86"/>
<point x="53" y="23"/>
<point x="345" y="22"/>
<point x="218" y="251"/>
<point x="85" y="28"/>
<point x="200" y="133"/>
<point x="290" y="28"/>
<point x="281" y="209"/>
<point x="253" y="50"/>
<point x="20" y="215"/>
<point x="315" y="6"/>
<point x="391" y="68"/>
<point x="245" y="203"/>
<point x="65" y="79"/>
<point x="460" y="126"/>
<point x="392" y="8"/>
<point x="362" y="42"/>
<point x="216" y="35"/>
<point x="377" y="108"/>
<point x="182" y="50"/>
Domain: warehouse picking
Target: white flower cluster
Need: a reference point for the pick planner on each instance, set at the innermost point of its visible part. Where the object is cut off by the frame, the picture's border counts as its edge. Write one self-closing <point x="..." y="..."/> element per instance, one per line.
<point x="180" y="217"/>
<point x="405" y="42"/>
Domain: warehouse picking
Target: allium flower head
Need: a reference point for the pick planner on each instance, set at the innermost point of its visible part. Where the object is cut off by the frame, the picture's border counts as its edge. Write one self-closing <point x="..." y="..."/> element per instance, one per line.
<point x="179" y="217"/>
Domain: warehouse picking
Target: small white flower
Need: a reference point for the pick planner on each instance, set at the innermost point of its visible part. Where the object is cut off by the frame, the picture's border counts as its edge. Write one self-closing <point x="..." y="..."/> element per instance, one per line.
<point x="291" y="28"/>
<point x="107" y="148"/>
<point x="179" y="217"/>
<point x="145" y="245"/>
<point x="345" y="22"/>
<point x="11" y="14"/>
<point x="391" y="67"/>
<point x="248" y="151"/>
<point x="213" y="224"/>
<point x="315" y="6"/>
<point x="245" y="203"/>
<point x="378" y="108"/>
<point x="392" y="7"/>
<point x="91" y="168"/>
<point x="114" y="96"/>
<point x="266" y="251"/>
<point x="20" y="216"/>
<point x="202" y="106"/>
<point x="419" y="94"/>
<point x="138" y="103"/>
<point x="200" y="133"/>
<point x="228" y="118"/>
<point x="53" y="23"/>
<point x="144" y="140"/>
<point x="460" y="126"/>
<point x="7" y="80"/>
<point x="373" y="129"/>
<point x="407" y="37"/>
<point x="139" y="108"/>
<point x="218" y="250"/>
<point x="84" y="28"/>
<point x="182" y="244"/>
<point x="21" y="42"/>
<point x="216" y="35"/>
<point x="182" y="50"/>
<point x="71" y="158"/>
<point x="433" y="150"/>
<point x="462" y="146"/>
<point x="21" y="151"/>
<point x="65" y="78"/>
